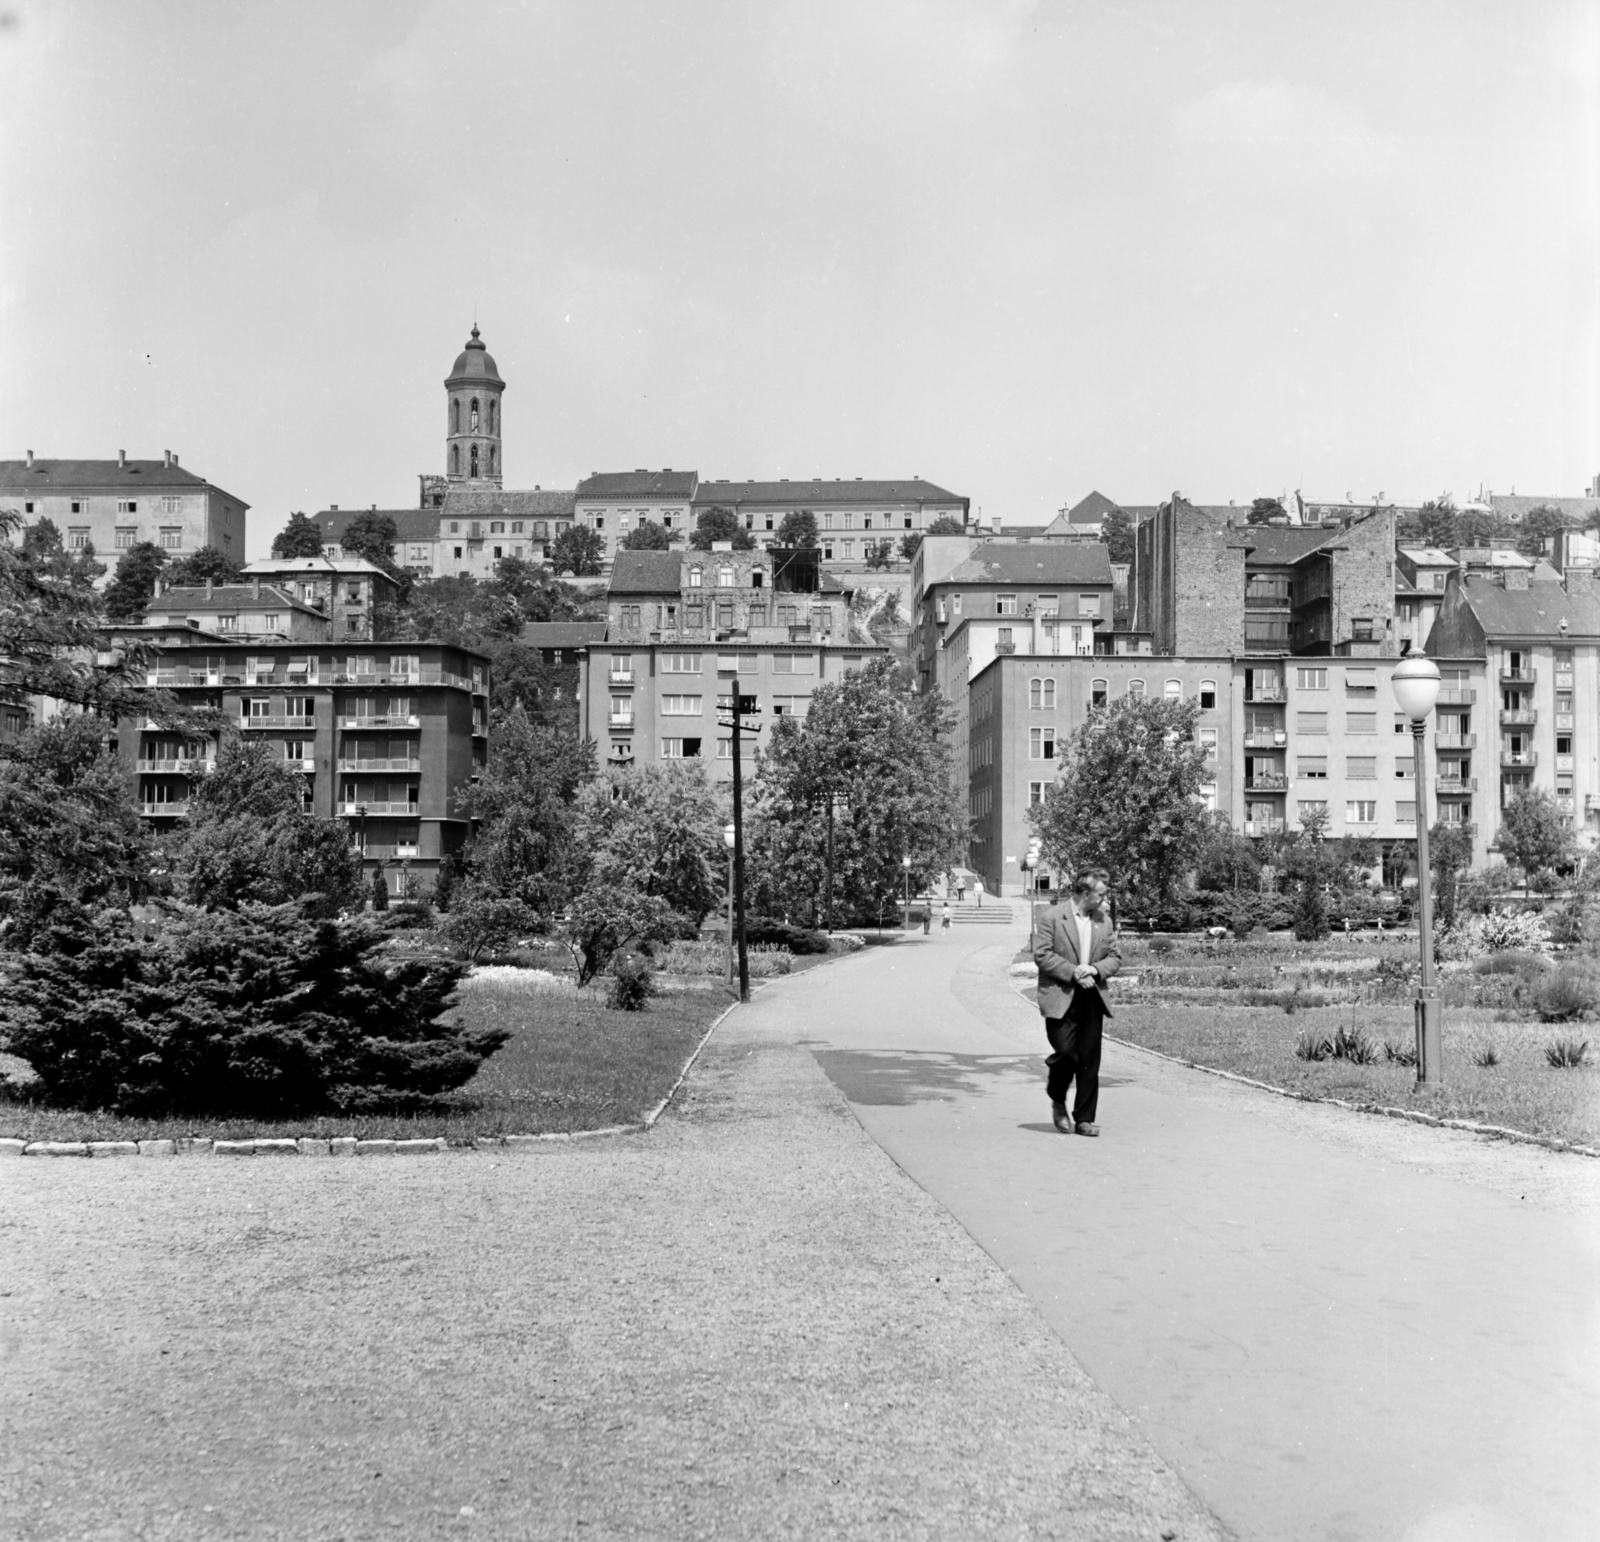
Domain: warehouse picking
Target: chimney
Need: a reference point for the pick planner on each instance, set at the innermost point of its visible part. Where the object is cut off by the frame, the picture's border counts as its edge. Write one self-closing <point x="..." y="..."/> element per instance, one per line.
<point x="155" y="592"/>
<point x="174" y="457"/>
<point x="166" y="457"/>
<point x="258" y="591"/>
<point x="1515" y="578"/>
<point x="122" y="457"/>
<point x="333" y="508"/>
<point x="1579" y="580"/>
<point x="210" y="584"/>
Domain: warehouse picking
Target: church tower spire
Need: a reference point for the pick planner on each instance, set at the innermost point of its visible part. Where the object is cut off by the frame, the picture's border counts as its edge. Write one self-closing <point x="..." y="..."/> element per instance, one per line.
<point x="473" y="428"/>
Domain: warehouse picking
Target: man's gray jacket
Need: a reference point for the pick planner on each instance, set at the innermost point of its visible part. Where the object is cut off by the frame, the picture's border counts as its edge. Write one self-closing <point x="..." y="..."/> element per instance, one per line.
<point x="1055" y="951"/>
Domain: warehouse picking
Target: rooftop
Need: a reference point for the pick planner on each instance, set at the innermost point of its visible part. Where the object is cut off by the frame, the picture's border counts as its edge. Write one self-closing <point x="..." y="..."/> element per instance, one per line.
<point x="1427" y="556"/>
<point x="1075" y="562"/>
<point x="563" y="634"/>
<point x="1516" y="506"/>
<point x="409" y="524"/>
<point x="474" y="364"/>
<point x="121" y="476"/>
<point x="838" y="491"/>
<point x="666" y="483"/>
<point x="341" y="566"/>
<point x="1537" y="611"/>
<point x="484" y="501"/>
<point x="646" y="572"/>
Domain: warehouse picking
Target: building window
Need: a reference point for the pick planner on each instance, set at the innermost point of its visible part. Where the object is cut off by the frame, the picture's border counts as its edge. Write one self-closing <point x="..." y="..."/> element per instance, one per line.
<point x="1361" y="768"/>
<point x="172" y="538"/>
<point x="1361" y="682"/>
<point x="1312" y="768"/>
<point x="126" y="537"/>
<point x="455" y="460"/>
<point x="1311" y="679"/>
<point x="458" y="554"/>
<point x="682" y="706"/>
<point x="694" y="577"/>
<point x="724" y="578"/>
<point x="1136" y="689"/>
<point x="1005" y="605"/>
<point x="79" y="506"/>
<point x="1361" y="629"/>
<point x="1174" y="690"/>
<point x="1361" y="811"/>
<point x="1208" y="695"/>
<point x="1311" y="722"/>
<point x="1361" y="722"/>
<point x="680" y="663"/>
<point x="1405" y="768"/>
<point x="1042" y="695"/>
<point x="1089" y="605"/>
<point x="1036" y="793"/>
<point x="1405" y="813"/>
<point x="1097" y="693"/>
<point x="497" y="527"/>
<point x="1041" y="744"/>
<point x="1306" y="807"/>
<point x="127" y="505"/>
<point x="680" y="749"/>
<point x="1208" y="743"/>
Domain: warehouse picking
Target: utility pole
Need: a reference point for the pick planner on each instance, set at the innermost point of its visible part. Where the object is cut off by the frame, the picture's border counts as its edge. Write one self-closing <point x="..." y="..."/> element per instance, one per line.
<point x="827" y="888"/>
<point x="740" y="705"/>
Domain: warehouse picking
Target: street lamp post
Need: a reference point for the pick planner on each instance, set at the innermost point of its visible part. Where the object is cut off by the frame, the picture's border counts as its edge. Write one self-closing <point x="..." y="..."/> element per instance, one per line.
<point x="1416" y="689"/>
<point x="905" y="863"/>
<point x="1030" y="866"/>
<point x="727" y="840"/>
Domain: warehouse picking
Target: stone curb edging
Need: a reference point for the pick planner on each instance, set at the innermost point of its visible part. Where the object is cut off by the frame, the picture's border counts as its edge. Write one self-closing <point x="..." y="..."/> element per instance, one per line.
<point x="1384" y="1110"/>
<point x="348" y="1145"/>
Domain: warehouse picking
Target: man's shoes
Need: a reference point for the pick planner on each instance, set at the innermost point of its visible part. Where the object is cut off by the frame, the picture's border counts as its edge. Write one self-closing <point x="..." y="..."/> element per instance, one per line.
<point x="1058" y="1113"/>
<point x="1088" y="1129"/>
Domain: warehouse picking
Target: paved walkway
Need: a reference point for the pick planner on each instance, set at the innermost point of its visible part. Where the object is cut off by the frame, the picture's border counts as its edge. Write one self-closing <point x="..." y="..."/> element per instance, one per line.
<point x="1334" y="1326"/>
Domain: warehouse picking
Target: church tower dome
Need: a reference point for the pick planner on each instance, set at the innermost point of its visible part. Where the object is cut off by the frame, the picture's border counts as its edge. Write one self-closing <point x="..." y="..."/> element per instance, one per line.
<point x="472" y="437"/>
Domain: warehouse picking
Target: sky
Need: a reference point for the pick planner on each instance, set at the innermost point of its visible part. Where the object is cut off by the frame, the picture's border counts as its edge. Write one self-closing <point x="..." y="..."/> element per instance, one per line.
<point x="1021" y="250"/>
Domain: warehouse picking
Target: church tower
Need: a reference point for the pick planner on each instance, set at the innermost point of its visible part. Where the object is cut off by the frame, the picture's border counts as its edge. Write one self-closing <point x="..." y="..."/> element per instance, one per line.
<point x="472" y="440"/>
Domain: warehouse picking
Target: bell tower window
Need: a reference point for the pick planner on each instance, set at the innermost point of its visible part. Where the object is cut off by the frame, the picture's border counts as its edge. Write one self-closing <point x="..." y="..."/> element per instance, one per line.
<point x="492" y="414"/>
<point x="473" y="415"/>
<point x="474" y="470"/>
<point x="491" y="460"/>
<point x="455" y="417"/>
<point x="455" y="457"/>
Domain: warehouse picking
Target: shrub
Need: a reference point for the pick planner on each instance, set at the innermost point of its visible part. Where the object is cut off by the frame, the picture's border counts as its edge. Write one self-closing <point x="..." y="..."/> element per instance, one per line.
<point x="1354" y="1046"/>
<point x="1527" y="965"/>
<point x="479" y="924"/>
<point x="1566" y="1053"/>
<point x="1311" y="1044"/>
<point x="1486" y="1055"/>
<point x="1310" y="914"/>
<point x="796" y="939"/>
<point x="1162" y="945"/>
<point x="632" y="984"/>
<point x="411" y="915"/>
<point x="261" y="1011"/>
<point x="380" y="890"/>
<point x="1399" y="1054"/>
<point x="1565" y="994"/>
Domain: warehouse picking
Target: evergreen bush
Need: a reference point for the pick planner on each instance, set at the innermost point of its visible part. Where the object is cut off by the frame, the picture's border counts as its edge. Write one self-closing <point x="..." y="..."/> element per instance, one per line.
<point x="632" y="984"/>
<point x="1310" y="914"/>
<point x="380" y="890"/>
<point x="260" y="1011"/>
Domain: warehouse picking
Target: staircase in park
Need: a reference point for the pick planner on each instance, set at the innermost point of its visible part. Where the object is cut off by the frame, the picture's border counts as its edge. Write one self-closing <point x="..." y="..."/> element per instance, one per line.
<point x="968" y="912"/>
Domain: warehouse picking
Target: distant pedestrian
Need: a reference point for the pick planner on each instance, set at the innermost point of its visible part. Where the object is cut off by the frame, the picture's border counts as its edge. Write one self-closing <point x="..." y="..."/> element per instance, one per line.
<point x="927" y="919"/>
<point x="944" y="917"/>
<point x="977" y="888"/>
<point x="961" y="890"/>
<point x="1075" y="947"/>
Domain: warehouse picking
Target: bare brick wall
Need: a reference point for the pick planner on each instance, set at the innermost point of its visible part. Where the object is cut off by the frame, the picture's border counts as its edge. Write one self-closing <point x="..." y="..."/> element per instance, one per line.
<point x="1190" y="582"/>
<point x="1363" y="582"/>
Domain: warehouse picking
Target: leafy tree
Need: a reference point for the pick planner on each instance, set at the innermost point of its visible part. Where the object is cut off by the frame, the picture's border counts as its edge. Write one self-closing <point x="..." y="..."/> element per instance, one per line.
<point x="720" y="524"/>
<point x="578" y="550"/>
<point x="657" y="830"/>
<point x="1538" y="527"/>
<point x="1128" y="799"/>
<point x="1533" y="833"/>
<point x="1264" y="510"/>
<point x="605" y="919"/>
<point x="1310" y="912"/>
<point x="69" y="832"/>
<point x="884" y="753"/>
<point x="1450" y="853"/>
<point x="259" y="1011"/>
<point x="529" y="845"/>
<point x="380" y="889"/>
<point x="798" y="528"/>
<point x="878" y="554"/>
<point x="481" y="925"/>
<point x="301" y="537"/>
<point x="373" y="536"/>
<point x="945" y="524"/>
<point x="248" y="840"/>
<point x="1119" y="532"/>
<point x="128" y="594"/>
<point x="1434" y="524"/>
<point x="1229" y="860"/>
<point x="207" y="563"/>
<point x="647" y="535"/>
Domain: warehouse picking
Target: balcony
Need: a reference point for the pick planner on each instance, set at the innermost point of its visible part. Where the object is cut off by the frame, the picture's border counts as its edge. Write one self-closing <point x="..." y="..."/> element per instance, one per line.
<point x="279" y="720"/>
<point x="1263" y="827"/>
<point x="1524" y="676"/>
<point x="1266" y="599"/>
<point x="620" y="676"/>
<point x="1457" y="696"/>
<point x="382" y="720"/>
<point x="301" y="765"/>
<point x="1268" y="783"/>
<point x="480" y="729"/>
<point x="1519" y="757"/>
<point x="1266" y="739"/>
<point x="1455" y="741"/>
<point x="1005" y="647"/>
<point x="374" y="810"/>
<point x="165" y="810"/>
<point x="1518" y="717"/>
<point x="395" y="853"/>
<point x="402" y="764"/>
<point x="619" y="719"/>
<point x="1272" y="692"/>
<point x="191" y="765"/>
<point x="1455" y="786"/>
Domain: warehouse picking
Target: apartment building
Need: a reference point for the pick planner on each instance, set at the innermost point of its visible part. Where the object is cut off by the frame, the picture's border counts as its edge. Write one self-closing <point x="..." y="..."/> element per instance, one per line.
<point x="346" y="590"/>
<point x="383" y="739"/>
<point x="676" y="620"/>
<point x="115" y="504"/>
<point x="615" y="503"/>
<point x="470" y="533"/>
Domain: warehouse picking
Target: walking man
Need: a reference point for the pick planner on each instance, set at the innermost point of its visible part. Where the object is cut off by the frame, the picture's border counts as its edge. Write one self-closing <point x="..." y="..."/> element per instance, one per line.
<point x="1075" y="947"/>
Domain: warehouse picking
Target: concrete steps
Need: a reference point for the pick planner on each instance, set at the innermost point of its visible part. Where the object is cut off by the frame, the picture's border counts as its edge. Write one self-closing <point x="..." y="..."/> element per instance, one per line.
<point x="968" y="913"/>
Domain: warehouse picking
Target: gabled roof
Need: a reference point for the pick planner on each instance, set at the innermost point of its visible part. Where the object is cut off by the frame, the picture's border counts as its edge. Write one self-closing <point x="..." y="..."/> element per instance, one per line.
<point x="646" y="572"/>
<point x="563" y="634"/>
<point x="838" y="491"/>
<point x="114" y="476"/>
<point x="1090" y="510"/>
<point x="339" y="567"/>
<point x="1427" y="556"/>
<point x="409" y="524"/>
<point x="468" y="500"/>
<point x="1536" y="611"/>
<point x="1516" y="506"/>
<point x="666" y="483"/>
<point x="995" y="562"/>
<point x="1282" y="545"/>
<point x="227" y="597"/>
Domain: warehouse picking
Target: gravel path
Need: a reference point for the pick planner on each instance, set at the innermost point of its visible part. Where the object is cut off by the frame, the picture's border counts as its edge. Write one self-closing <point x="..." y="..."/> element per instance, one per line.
<point x="747" y="1324"/>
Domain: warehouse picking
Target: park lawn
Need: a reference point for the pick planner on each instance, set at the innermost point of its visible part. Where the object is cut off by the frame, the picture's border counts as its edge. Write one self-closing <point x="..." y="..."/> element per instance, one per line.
<point x="570" y="1064"/>
<point x="1523" y="1092"/>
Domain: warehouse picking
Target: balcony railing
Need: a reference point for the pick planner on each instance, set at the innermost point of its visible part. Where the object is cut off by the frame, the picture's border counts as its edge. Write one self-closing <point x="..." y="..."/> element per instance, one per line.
<point x="1268" y="783"/>
<point x="401" y="764"/>
<point x="1005" y="647"/>
<point x="1524" y="676"/>
<point x="1455" y="786"/>
<point x="1519" y="757"/>
<point x="165" y="810"/>
<point x="1457" y="696"/>
<point x="620" y="719"/>
<point x="1455" y="741"/>
<point x="1266" y="739"/>
<point x="1266" y="599"/>
<point x="1519" y="717"/>
<point x="191" y="765"/>
<point x="480" y="729"/>
<point x="620" y="676"/>
<point x="1263" y="827"/>
<point x="279" y="720"/>
<point x="383" y="720"/>
<point x="375" y="809"/>
<point x="1265" y="692"/>
<point x="394" y="853"/>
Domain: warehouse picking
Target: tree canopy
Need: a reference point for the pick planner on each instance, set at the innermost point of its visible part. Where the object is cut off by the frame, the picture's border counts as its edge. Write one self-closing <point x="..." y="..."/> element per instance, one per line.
<point x="720" y="524"/>
<point x="1119" y="532"/>
<point x="798" y="528"/>
<point x="372" y="535"/>
<point x="578" y="550"/>
<point x="647" y="535"/>
<point x="1534" y="835"/>
<point x="128" y="594"/>
<point x="301" y="537"/>
<point x="206" y="564"/>
<point x="1128" y="799"/>
<point x="1264" y="510"/>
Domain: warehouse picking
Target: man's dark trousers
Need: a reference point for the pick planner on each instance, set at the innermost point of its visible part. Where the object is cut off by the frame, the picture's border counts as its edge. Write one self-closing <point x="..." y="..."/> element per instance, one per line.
<point x="1075" y="1040"/>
